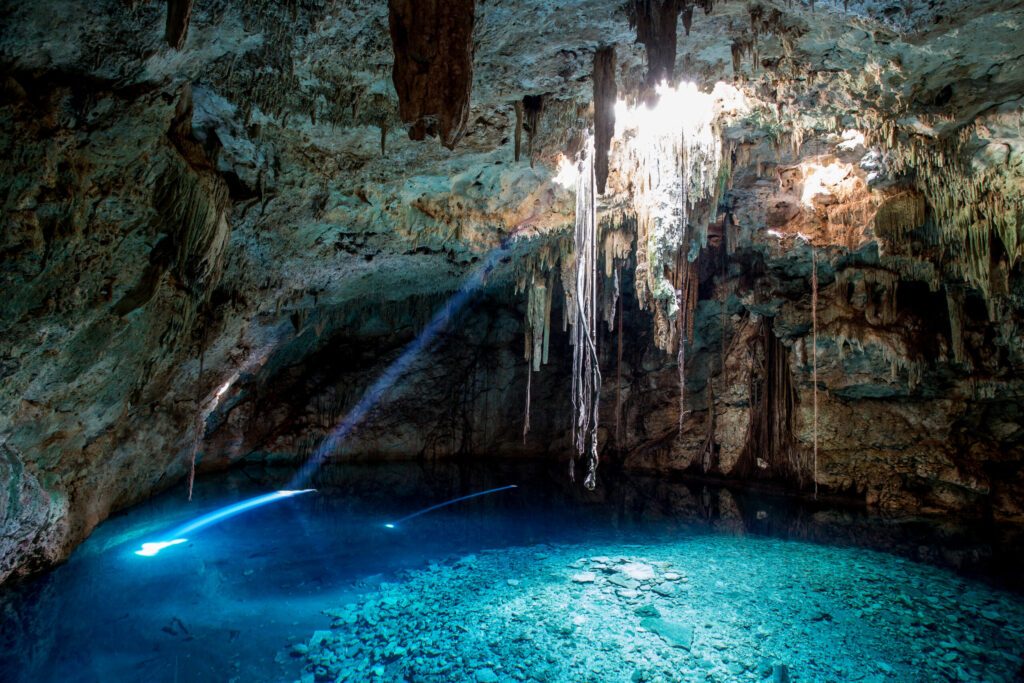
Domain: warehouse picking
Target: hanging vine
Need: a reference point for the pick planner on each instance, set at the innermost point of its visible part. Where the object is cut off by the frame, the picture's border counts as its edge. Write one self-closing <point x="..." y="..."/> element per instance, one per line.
<point x="814" y="357"/>
<point x="581" y="307"/>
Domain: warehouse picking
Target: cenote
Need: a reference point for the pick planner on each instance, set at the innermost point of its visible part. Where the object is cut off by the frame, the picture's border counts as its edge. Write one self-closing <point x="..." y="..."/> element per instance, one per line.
<point x="492" y="341"/>
<point x="647" y="580"/>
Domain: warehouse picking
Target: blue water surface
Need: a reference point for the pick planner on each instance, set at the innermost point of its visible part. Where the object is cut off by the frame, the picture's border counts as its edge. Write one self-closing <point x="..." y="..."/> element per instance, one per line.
<point x="229" y="604"/>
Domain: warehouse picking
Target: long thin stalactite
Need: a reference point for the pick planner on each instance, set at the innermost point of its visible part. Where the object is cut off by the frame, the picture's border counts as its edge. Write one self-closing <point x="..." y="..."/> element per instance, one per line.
<point x="687" y="302"/>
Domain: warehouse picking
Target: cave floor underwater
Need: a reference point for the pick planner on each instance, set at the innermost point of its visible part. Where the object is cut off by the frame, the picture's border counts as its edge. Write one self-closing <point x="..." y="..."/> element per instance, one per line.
<point x="643" y="579"/>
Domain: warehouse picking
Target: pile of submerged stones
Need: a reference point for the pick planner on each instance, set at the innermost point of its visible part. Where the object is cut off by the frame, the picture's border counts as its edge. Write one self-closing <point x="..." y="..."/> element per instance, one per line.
<point x="712" y="611"/>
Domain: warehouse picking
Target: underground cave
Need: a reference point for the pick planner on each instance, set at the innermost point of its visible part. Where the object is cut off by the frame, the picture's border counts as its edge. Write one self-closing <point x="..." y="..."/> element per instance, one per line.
<point x="496" y="341"/>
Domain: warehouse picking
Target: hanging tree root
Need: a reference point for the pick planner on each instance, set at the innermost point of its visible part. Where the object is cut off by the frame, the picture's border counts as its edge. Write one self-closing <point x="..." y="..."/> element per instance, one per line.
<point x="814" y="358"/>
<point x="582" y="304"/>
<point x="707" y="449"/>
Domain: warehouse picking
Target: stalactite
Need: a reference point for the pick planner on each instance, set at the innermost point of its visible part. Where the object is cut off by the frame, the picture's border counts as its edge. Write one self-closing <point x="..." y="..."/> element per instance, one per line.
<point x="519" y="128"/>
<point x="586" y="376"/>
<point x="617" y="249"/>
<point x="604" y="111"/>
<point x="681" y="371"/>
<point x="770" y="451"/>
<point x="707" y="450"/>
<point x="432" y="41"/>
<point x="723" y="320"/>
<point x="610" y="295"/>
<point x="618" y="244"/>
<point x="533" y="106"/>
<point x="179" y="13"/>
<point x="686" y="289"/>
<point x="538" y="317"/>
<point x="526" y="411"/>
<point x="655" y="22"/>
<point x="955" y="308"/>
<point x="192" y="202"/>
<point x="200" y="427"/>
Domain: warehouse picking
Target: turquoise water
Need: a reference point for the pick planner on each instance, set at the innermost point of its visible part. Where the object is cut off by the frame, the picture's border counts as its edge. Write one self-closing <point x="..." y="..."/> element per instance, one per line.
<point x="645" y="579"/>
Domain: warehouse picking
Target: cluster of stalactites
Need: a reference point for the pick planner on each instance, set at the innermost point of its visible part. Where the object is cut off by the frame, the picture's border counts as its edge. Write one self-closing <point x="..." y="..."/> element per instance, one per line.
<point x="676" y="172"/>
<point x="874" y="289"/>
<point x="676" y="195"/>
<point x="900" y="214"/>
<point x="535" y="277"/>
<point x="537" y="336"/>
<point x="538" y="320"/>
<point x="894" y="349"/>
<point x="618" y="247"/>
<point x="969" y="204"/>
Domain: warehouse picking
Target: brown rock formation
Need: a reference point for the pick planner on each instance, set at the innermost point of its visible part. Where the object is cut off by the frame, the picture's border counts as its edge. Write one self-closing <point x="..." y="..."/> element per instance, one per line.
<point x="656" y="27"/>
<point x="179" y="13"/>
<point x="605" y="95"/>
<point x="433" y="68"/>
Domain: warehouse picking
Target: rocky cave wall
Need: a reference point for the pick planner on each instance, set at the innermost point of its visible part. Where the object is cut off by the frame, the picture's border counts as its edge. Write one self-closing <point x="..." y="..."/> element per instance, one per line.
<point x="210" y="248"/>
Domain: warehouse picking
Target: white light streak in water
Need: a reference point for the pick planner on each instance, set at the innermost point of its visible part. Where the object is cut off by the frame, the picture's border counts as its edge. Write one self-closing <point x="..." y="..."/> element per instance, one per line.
<point x="453" y="501"/>
<point x="180" y="535"/>
<point x="152" y="548"/>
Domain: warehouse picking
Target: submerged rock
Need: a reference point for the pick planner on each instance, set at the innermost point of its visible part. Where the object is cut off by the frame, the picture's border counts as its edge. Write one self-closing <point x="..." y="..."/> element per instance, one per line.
<point x="675" y="633"/>
<point x="624" y="582"/>
<point x="665" y="589"/>
<point x="486" y="676"/>
<point x="637" y="571"/>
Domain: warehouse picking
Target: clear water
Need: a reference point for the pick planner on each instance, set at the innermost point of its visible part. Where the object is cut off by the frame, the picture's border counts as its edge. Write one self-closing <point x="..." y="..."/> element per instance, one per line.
<point x="770" y="580"/>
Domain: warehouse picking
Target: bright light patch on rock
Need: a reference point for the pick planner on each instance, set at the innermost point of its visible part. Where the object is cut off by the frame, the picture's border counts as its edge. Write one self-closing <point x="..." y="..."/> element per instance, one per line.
<point x="820" y="179"/>
<point x="852" y="139"/>
<point x="567" y="173"/>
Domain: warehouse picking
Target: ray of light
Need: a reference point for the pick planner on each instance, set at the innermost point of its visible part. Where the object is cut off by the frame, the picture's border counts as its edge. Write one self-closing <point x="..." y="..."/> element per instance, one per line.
<point x="453" y="501"/>
<point x="373" y="395"/>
